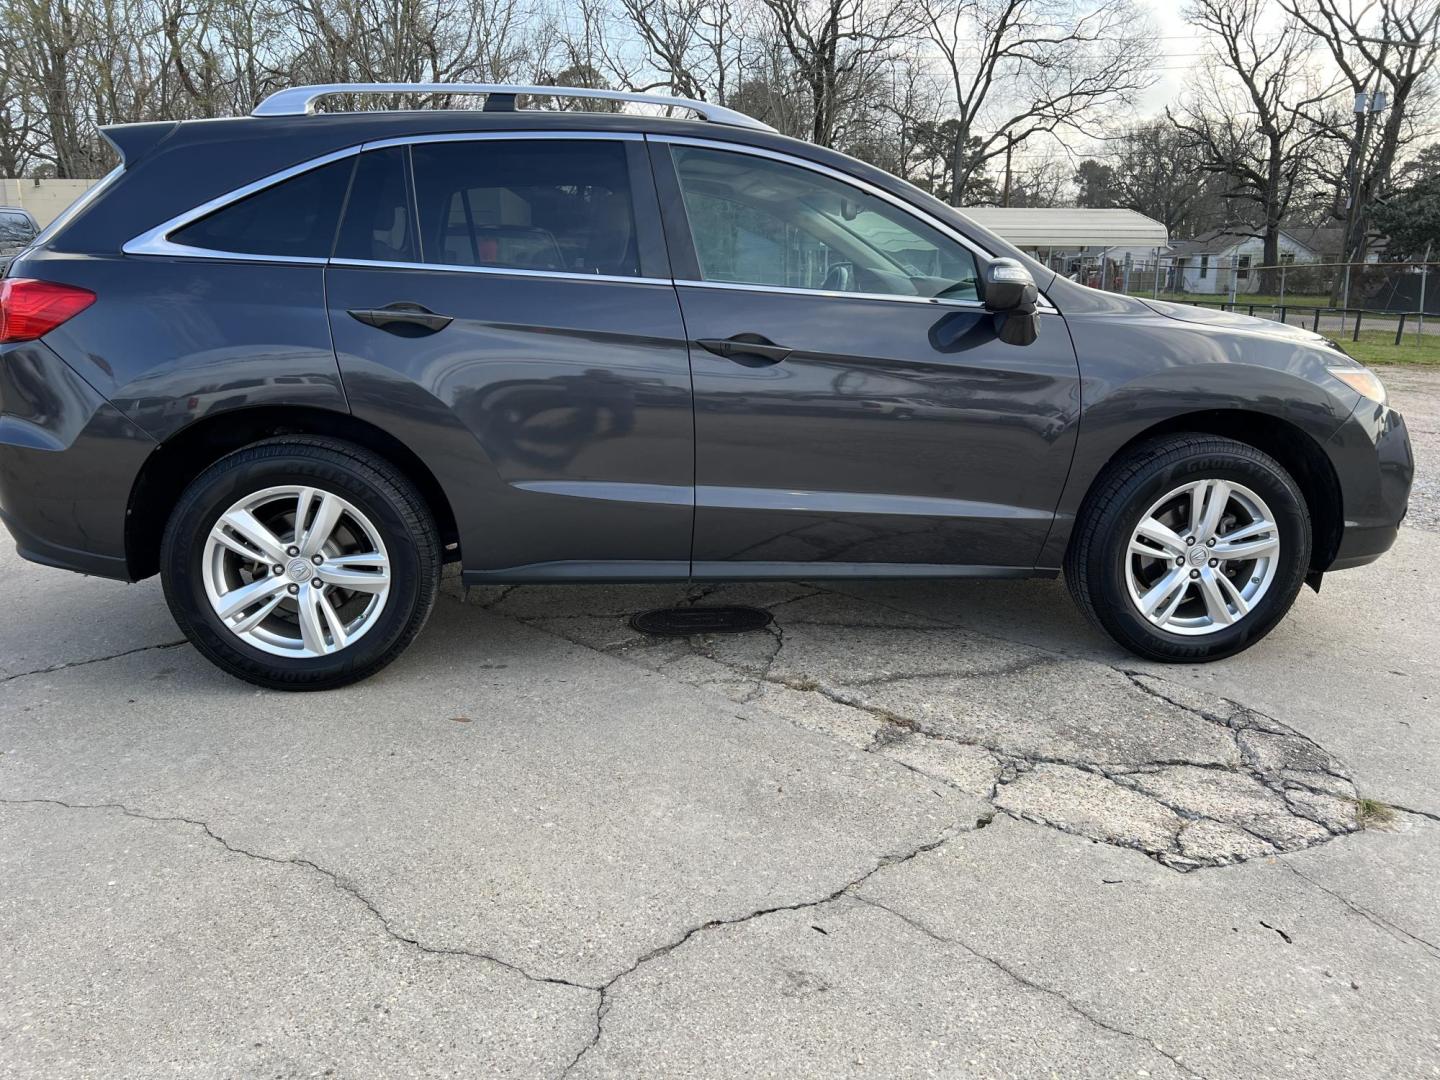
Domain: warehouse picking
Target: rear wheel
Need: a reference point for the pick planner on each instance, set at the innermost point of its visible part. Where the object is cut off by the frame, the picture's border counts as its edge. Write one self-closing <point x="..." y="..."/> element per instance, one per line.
<point x="1191" y="548"/>
<point x="301" y="564"/>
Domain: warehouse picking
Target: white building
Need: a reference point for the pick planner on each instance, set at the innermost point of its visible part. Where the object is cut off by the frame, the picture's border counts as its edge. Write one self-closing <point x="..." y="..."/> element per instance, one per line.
<point x="1069" y="238"/>
<point x="1205" y="264"/>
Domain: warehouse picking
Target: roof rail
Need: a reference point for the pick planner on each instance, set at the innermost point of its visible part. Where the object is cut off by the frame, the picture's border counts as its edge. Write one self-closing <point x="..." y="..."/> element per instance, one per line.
<point x="300" y="100"/>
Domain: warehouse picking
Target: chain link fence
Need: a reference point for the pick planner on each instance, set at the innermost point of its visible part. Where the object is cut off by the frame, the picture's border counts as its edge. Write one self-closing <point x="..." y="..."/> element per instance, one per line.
<point x="1396" y="298"/>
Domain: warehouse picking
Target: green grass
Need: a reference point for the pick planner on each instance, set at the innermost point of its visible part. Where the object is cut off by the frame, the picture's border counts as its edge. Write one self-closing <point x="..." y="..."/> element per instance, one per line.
<point x="1378" y="347"/>
<point x="1373" y="813"/>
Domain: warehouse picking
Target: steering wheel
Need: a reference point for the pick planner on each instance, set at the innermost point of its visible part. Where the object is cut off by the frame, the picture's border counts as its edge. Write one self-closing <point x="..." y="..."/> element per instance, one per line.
<point x="838" y="278"/>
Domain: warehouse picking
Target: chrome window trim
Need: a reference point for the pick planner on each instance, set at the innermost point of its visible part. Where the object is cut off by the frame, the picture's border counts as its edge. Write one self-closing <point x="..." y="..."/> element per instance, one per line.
<point x="502" y="271"/>
<point x="845" y="178"/>
<point x="789" y="290"/>
<point x="157" y="241"/>
<point x="300" y="100"/>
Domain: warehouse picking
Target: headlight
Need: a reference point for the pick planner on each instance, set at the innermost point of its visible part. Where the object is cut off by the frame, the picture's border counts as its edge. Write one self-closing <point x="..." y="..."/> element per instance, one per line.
<point x="1362" y="380"/>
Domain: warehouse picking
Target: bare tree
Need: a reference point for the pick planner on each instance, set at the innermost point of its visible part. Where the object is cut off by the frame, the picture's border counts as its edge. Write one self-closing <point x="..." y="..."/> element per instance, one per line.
<point x="1246" y="115"/>
<point x="835" y="48"/>
<point x="1019" y="68"/>
<point x="695" y="47"/>
<point x="1155" y="170"/>
<point x="932" y="92"/>
<point x="1390" y="46"/>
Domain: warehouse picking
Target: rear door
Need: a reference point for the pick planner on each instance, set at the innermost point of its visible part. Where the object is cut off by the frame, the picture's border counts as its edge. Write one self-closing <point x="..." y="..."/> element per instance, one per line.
<point x="854" y="410"/>
<point x="505" y="303"/>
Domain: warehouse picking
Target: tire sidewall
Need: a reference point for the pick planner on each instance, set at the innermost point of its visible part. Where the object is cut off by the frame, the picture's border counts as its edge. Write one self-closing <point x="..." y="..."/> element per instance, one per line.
<point x="225" y="484"/>
<point x="1292" y="521"/>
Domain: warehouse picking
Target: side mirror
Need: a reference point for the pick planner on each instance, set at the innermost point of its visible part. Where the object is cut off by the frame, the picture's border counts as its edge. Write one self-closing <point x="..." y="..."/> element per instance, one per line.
<point x="1011" y="294"/>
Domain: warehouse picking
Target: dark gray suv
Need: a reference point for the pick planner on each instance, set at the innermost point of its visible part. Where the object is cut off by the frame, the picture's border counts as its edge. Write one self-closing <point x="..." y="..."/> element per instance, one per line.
<point x="293" y="362"/>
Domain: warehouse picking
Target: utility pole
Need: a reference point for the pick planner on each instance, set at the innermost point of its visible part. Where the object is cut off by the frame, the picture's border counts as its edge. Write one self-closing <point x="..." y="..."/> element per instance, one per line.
<point x="1367" y="104"/>
<point x="1005" y="199"/>
<point x="1424" y="276"/>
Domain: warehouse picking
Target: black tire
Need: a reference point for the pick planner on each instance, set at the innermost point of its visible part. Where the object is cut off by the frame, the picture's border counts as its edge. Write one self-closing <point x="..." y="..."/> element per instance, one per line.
<point x="373" y="486"/>
<point x="1095" y="564"/>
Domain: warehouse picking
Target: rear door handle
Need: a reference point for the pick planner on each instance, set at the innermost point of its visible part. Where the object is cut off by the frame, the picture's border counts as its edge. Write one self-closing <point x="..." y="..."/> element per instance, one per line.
<point x="752" y="350"/>
<point x="400" y="314"/>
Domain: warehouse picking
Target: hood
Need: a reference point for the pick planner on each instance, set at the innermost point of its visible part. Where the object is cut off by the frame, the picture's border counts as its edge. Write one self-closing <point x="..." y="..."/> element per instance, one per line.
<point x="1232" y="320"/>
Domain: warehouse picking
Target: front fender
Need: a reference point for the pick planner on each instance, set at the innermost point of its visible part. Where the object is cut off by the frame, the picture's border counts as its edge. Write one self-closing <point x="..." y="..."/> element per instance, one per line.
<point x="1141" y="371"/>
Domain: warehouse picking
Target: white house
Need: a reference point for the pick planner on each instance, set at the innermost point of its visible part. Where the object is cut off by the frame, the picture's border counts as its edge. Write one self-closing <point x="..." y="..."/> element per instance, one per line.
<point x="1204" y="264"/>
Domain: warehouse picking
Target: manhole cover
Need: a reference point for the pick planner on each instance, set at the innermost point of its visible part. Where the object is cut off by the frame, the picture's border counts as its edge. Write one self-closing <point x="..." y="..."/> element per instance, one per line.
<point x="682" y="622"/>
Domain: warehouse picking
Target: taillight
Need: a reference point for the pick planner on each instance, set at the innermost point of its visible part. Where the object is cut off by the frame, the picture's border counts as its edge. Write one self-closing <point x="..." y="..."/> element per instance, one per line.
<point x="30" y="309"/>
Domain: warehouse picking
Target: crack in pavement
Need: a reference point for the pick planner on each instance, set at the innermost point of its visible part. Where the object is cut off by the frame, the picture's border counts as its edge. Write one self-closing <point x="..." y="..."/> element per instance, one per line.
<point x="94" y="659"/>
<point x="1030" y="984"/>
<point x="1399" y="933"/>
<point x="885" y="862"/>
<point x="1275" y="774"/>
<point x="604" y="991"/>
<point x="336" y="880"/>
<point x="1412" y="811"/>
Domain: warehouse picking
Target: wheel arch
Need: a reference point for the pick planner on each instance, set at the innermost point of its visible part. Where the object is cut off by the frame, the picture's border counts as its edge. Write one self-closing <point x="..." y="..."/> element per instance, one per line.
<point x="1301" y="455"/>
<point x="185" y="455"/>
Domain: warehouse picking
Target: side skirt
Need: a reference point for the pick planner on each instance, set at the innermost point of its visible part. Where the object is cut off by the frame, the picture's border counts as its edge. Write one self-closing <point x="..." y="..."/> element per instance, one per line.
<point x="619" y="571"/>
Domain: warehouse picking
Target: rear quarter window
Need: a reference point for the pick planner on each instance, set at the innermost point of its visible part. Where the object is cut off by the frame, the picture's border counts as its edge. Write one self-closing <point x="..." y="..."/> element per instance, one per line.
<point x="295" y="218"/>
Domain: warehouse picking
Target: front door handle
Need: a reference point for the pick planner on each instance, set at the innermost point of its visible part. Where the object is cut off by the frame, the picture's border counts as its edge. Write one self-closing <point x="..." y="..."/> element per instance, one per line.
<point x="402" y="314"/>
<point x="752" y="350"/>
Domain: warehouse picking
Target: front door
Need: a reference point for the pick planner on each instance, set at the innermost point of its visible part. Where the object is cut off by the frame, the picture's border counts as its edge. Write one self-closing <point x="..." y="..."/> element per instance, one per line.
<point x="854" y="410"/>
<point x="503" y="306"/>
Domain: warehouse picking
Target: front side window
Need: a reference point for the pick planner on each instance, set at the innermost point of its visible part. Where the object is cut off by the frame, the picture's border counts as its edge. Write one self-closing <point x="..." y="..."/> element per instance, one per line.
<point x="755" y="221"/>
<point x="540" y="204"/>
<point x="292" y="219"/>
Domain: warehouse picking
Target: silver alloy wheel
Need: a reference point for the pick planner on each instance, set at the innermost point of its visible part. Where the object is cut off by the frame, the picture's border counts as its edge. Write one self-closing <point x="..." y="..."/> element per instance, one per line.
<point x="1202" y="557"/>
<point x="296" y="571"/>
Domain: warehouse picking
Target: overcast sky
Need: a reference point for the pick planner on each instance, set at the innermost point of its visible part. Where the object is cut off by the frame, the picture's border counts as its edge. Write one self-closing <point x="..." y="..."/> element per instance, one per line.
<point x="1179" y="49"/>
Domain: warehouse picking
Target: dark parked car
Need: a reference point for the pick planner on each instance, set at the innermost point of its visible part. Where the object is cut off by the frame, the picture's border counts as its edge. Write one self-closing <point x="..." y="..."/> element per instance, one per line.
<point x="17" y="229"/>
<point x="293" y="362"/>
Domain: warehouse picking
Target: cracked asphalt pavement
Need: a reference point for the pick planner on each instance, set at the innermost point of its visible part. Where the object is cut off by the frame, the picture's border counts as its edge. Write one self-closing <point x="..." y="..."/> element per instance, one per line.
<point x="911" y="829"/>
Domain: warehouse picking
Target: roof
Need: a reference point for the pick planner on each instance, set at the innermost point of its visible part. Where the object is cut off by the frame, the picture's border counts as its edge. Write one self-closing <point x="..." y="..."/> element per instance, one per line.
<point x="1034" y="227"/>
<point x="1214" y="241"/>
<point x="1328" y="241"/>
<point x="1323" y="240"/>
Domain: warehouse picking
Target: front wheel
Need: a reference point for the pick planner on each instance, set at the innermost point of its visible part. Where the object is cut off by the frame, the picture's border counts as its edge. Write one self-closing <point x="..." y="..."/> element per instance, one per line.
<point x="1191" y="548"/>
<point x="301" y="564"/>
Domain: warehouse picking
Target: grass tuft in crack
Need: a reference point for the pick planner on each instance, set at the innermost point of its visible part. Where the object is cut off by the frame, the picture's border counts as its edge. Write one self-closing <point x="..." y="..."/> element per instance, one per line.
<point x="1373" y="814"/>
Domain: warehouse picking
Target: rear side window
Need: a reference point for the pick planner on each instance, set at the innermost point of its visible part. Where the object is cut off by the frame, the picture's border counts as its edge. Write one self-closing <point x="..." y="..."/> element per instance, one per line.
<point x="378" y="224"/>
<point x="295" y="218"/>
<point x="539" y="204"/>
